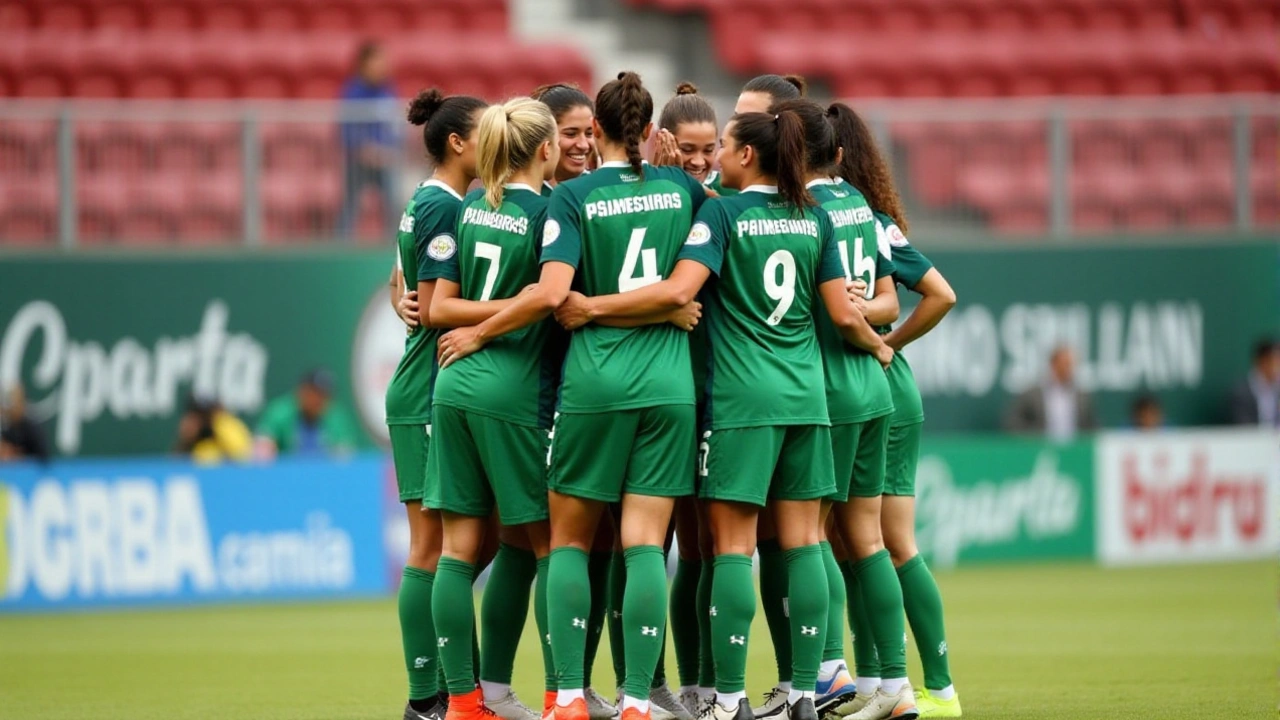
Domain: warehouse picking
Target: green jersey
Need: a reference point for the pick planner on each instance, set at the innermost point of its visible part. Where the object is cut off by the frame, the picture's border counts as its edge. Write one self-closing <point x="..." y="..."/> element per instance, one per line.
<point x="713" y="182"/>
<point x="623" y="232"/>
<point x="514" y="377"/>
<point x="910" y="265"/>
<point x="767" y="262"/>
<point x="425" y="242"/>
<point x="857" y="388"/>
<point x="546" y="189"/>
<point x="333" y="432"/>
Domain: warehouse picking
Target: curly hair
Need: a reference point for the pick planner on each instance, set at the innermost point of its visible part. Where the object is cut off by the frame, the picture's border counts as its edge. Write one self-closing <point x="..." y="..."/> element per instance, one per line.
<point x="863" y="166"/>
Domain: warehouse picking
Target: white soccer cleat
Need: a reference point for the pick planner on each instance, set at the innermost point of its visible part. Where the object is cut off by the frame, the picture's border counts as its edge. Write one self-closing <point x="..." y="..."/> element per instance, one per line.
<point x="774" y="706"/>
<point x="883" y="706"/>
<point x="597" y="707"/>
<point x="509" y="707"/>
<point x="664" y="705"/>
<point x="692" y="701"/>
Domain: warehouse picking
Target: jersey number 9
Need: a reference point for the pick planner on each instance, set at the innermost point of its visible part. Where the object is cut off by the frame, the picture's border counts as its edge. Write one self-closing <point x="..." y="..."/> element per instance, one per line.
<point x="784" y="290"/>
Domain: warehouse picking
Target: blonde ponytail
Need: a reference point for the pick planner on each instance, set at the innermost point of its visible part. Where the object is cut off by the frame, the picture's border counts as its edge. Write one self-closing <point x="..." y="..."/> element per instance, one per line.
<point x="508" y="138"/>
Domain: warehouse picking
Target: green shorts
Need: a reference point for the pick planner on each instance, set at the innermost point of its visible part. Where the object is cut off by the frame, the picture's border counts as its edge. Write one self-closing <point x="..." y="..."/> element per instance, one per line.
<point x="410" y="448"/>
<point x="646" y="451"/>
<point x="859" y="452"/>
<point x="482" y="461"/>
<point x="781" y="462"/>
<point x="901" y="457"/>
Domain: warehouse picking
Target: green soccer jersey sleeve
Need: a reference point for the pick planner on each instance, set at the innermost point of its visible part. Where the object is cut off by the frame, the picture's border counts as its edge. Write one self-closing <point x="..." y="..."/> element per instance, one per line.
<point x="562" y="231"/>
<point x="910" y="265"/>
<point x="435" y="220"/>
<point x="830" y="264"/>
<point x="708" y="237"/>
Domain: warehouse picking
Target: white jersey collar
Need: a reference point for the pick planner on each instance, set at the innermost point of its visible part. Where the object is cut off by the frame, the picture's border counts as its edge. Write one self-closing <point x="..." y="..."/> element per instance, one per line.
<point x="768" y="189"/>
<point x="443" y="185"/>
<point x="520" y="186"/>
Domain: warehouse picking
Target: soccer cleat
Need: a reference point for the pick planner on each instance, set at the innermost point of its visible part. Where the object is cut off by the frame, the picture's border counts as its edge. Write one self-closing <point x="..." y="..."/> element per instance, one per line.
<point x="931" y="706"/>
<point x="469" y="707"/>
<point x="597" y="707"/>
<point x="849" y="707"/>
<point x="549" y="705"/>
<point x="576" y="710"/>
<point x="830" y="693"/>
<point x="635" y="714"/>
<point x="713" y="710"/>
<point x="803" y="709"/>
<point x="883" y="706"/>
<point x="664" y="705"/>
<point x="691" y="700"/>
<point x="775" y="704"/>
<point x="509" y="707"/>
<point x="435" y="712"/>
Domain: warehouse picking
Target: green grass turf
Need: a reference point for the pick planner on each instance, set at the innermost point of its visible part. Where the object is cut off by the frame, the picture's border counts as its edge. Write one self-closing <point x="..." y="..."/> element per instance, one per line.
<point x="1067" y="641"/>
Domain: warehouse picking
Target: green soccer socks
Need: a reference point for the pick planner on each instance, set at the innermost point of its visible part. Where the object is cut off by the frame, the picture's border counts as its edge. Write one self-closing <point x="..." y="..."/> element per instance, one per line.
<point x="568" y="615"/>
<point x="503" y="611"/>
<point x="417" y="632"/>
<point x="613" y="617"/>
<point x="882" y="600"/>
<point x="706" y="653"/>
<point x="644" y="617"/>
<point x="453" y="605"/>
<point x="598" y="570"/>
<point x="773" y="597"/>
<point x="834" y="648"/>
<point x="807" y="606"/>
<point x="540" y="617"/>
<point x="923" y="601"/>
<point x="733" y="607"/>
<point x="685" y="620"/>
<point x="866" y="660"/>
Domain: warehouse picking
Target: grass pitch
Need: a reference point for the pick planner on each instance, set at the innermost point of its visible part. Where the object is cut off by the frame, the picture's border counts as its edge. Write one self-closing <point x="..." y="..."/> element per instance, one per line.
<point x="1068" y="641"/>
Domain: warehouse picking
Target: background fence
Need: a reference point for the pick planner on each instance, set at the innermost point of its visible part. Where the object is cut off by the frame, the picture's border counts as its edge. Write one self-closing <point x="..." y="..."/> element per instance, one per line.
<point x="260" y="172"/>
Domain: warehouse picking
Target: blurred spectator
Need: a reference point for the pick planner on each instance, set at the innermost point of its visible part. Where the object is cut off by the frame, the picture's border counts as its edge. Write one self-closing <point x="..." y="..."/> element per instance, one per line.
<point x="1056" y="409"/>
<point x="369" y="143"/>
<point x="20" y="437"/>
<point x="1256" y="401"/>
<point x="1146" y="413"/>
<point x="210" y="434"/>
<point x="308" y="422"/>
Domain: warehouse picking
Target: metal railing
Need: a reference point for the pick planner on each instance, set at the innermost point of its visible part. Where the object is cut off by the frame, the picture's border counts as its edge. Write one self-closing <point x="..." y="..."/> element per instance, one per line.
<point x="85" y="173"/>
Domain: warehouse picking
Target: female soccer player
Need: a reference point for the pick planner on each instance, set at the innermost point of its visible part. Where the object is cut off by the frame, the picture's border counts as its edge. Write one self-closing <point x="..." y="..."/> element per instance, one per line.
<point x="858" y="395"/>
<point x="863" y="166"/>
<point x="757" y="95"/>
<point x="626" y="419"/>
<point x="687" y="137"/>
<point x="492" y="412"/>
<point x="426" y="234"/>
<point x="573" y="111"/>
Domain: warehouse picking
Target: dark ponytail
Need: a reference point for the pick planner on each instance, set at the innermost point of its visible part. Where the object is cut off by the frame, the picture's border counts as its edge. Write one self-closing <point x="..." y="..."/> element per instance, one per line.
<point x="778" y="87"/>
<point x="780" y="149"/>
<point x="819" y="138"/>
<point x="863" y="166"/>
<point x="623" y="109"/>
<point x="441" y="117"/>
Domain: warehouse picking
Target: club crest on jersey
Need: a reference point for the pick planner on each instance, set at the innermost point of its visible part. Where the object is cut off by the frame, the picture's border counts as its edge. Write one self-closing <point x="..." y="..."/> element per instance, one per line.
<point x="550" y="232"/>
<point x="442" y="247"/>
<point x="896" y="238"/>
<point x="699" y="234"/>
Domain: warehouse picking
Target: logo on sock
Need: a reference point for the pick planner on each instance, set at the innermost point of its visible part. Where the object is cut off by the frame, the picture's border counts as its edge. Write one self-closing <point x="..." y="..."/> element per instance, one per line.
<point x="441" y="642"/>
<point x="645" y="630"/>
<point x="737" y="639"/>
<point x="942" y="648"/>
<point x="786" y="606"/>
<point x="616" y="614"/>
<point x="580" y="623"/>
<point x="713" y="611"/>
<point x="808" y="629"/>
<point x="420" y="662"/>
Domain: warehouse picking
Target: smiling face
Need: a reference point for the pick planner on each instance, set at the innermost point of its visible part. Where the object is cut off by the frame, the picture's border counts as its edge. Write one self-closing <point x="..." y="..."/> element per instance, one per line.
<point x="577" y="143"/>
<point x="697" y="144"/>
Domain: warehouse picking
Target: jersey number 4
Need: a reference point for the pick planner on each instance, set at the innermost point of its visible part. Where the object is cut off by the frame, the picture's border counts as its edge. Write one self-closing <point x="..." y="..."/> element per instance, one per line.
<point x="638" y="254"/>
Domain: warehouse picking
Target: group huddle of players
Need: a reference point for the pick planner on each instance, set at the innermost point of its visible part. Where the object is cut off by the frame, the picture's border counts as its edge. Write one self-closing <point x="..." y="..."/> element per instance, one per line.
<point x="599" y="359"/>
